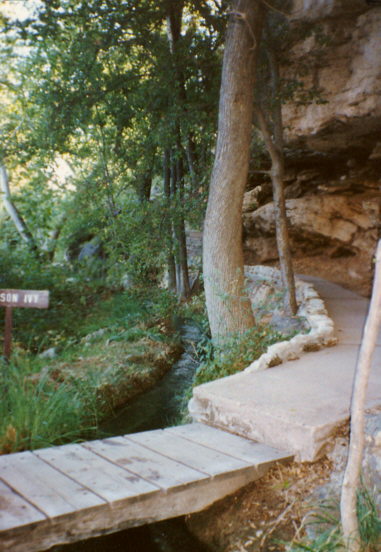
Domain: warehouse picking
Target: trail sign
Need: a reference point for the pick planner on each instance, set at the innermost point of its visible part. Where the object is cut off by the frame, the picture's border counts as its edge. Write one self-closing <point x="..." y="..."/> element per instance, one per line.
<point x="25" y="298"/>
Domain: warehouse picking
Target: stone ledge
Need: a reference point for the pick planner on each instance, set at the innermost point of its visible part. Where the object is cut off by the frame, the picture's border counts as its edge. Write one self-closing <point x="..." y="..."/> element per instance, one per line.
<point x="296" y="407"/>
<point x="311" y="307"/>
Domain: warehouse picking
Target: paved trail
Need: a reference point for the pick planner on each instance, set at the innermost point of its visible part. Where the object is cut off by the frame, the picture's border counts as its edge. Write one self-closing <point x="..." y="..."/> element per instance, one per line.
<point x="297" y="405"/>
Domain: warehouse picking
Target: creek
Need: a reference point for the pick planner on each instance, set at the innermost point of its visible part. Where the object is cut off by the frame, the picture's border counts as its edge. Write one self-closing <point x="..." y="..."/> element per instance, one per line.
<point x="157" y="408"/>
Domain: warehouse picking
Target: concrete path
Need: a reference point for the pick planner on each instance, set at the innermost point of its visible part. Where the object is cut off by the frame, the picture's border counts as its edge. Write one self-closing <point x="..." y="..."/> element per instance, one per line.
<point x="296" y="406"/>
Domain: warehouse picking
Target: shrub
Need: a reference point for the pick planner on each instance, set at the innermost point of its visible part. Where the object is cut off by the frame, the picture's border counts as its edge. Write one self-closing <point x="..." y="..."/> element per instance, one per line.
<point x="234" y="354"/>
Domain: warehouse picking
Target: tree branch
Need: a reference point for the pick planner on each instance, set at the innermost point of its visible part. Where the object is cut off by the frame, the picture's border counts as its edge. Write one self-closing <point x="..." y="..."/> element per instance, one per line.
<point x="12" y="210"/>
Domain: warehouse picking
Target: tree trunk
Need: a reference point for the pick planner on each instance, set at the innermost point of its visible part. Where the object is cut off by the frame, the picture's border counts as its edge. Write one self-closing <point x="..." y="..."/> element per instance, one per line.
<point x="168" y="222"/>
<point x="12" y="211"/>
<point x="181" y="257"/>
<point x="145" y="186"/>
<point x="181" y="234"/>
<point x="352" y="473"/>
<point x="282" y="237"/>
<point x="229" y="309"/>
<point x="174" y="23"/>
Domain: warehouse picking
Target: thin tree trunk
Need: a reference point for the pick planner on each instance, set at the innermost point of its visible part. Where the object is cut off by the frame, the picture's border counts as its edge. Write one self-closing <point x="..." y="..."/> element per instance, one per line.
<point x="13" y="212"/>
<point x="182" y="239"/>
<point x="174" y="23"/>
<point x="282" y="236"/>
<point x="169" y="228"/>
<point x="229" y="308"/>
<point x="145" y="186"/>
<point x="351" y="483"/>
<point x="190" y="152"/>
<point x="175" y="233"/>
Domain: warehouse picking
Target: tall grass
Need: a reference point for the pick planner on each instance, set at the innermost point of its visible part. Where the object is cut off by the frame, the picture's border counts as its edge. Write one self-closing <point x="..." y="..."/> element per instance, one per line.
<point x="328" y="536"/>
<point x="42" y="405"/>
<point x="36" y="412"/>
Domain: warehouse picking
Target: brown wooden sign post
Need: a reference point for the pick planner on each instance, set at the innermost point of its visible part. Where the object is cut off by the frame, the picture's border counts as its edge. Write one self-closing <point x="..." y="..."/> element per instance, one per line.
<point x="25" y="298"/>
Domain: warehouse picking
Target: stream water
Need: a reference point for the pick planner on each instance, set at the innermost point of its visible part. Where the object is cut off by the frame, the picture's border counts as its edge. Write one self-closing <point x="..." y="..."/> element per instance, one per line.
<point x="157" y="408"/>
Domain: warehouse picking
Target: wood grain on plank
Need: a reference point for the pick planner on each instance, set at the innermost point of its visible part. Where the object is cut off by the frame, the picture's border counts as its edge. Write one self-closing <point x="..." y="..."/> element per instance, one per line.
<point x="48" y="489"/>
<point x="103" y="477"/>
<point x="228" y="443"/>
<point x="187" y="452"/>
<point x="145" y="463"/>
<point x="15" y="511"/>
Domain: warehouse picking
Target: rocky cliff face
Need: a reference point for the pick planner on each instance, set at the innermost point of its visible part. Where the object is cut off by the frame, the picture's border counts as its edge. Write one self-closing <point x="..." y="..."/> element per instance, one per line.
<point x="333" y="147"/>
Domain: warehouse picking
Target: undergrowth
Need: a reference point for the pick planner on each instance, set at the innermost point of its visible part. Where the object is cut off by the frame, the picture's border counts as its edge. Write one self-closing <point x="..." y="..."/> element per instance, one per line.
<point x="37" y="413"/>
<point x="104" y="354"/>
<point x="234" y="354"/>
<point x="327" y="535"/>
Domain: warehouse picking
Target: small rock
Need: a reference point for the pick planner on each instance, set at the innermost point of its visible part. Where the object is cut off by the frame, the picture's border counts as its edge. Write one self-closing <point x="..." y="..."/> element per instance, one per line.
<point x="49" y="353"/>
<point x="126" y="281"/>
<point x="94" y="335"/>
<point x="288" y="324"/>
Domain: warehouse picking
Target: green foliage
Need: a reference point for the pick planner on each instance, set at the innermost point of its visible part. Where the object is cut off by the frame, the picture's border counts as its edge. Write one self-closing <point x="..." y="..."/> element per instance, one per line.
<point x="35" y="413"/>
<point x="70" y="298"/>
<point x="47" y="402"/>
<point x="234" y="354"/>
<point x="369" y="520"/>
<point x="328" y="530"/>
<point x="79" y="303"/>
<point x="96" y="84"/>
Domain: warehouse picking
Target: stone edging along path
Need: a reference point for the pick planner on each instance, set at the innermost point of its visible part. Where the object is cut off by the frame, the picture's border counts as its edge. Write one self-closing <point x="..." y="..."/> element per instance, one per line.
<point x="311" y="307"/>
<point x="300" y="405"/>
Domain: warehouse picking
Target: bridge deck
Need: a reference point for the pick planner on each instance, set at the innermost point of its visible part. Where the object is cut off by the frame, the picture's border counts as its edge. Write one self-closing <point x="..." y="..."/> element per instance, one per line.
<point x="72" y="492"/>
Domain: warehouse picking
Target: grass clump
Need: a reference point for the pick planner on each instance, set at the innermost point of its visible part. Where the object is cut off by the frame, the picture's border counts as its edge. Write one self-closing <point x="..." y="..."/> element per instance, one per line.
<point x="35" y="413"/>
<point x="234" y="354"/>
<point x="328" y="537"/>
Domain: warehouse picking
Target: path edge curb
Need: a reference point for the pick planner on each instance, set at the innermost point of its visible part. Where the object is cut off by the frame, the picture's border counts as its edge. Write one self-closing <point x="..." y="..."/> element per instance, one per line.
<point x="311" y="307"/>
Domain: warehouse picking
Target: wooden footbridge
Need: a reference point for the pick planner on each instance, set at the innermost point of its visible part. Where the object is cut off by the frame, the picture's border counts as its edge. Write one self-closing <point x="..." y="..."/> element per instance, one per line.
<point x="72" y="492"/>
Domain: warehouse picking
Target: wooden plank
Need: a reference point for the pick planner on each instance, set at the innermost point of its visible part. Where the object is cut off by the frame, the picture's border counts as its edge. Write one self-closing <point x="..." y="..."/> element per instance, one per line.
<point x="97" y="521"/>
<point x="145" y="463"/>
<point x="49" y="490"/>
<point x="187" y="452"/>
<point x="106" y="479"/>
<point x="144" y="478"/>
<point x="228" y="443"/>
<point x="15" y="511"/>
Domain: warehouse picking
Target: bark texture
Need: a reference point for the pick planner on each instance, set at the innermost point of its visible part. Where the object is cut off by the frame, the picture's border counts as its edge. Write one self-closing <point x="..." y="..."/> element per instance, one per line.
<point x="281" y="226"/>
<point x="174" y="24"/>
<point x="229" y="309"/>
<point x="352" y="473"/>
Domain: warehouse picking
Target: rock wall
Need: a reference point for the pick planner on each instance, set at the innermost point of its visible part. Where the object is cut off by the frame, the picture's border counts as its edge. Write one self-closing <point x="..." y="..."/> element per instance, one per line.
<point x="318" y="9"/>
<point x="371" y="464"/>
<point x="333" y="148"/>
<point x="340" y="57"/>
<point x="333" y="236"/>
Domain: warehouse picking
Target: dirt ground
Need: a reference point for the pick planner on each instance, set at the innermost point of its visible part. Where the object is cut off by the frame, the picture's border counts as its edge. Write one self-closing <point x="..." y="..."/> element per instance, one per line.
<point x="265" y="515"/>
